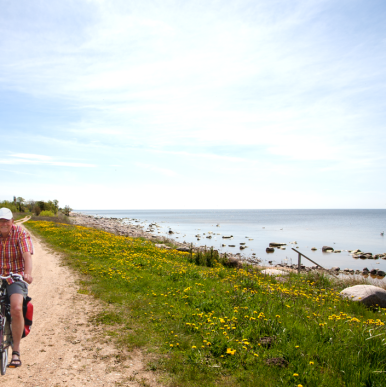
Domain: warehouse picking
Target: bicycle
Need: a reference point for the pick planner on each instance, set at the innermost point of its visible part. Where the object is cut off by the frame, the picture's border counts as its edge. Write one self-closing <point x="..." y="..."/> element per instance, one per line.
<point x="6" y="341"/>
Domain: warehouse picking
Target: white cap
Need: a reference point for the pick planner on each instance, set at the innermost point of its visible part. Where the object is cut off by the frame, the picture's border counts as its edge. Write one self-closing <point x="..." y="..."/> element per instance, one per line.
<point x="5" y="213"/>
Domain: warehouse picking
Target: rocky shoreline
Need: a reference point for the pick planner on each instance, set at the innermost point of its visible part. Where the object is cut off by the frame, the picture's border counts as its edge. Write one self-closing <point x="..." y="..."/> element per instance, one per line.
<point x="132" y="228"/>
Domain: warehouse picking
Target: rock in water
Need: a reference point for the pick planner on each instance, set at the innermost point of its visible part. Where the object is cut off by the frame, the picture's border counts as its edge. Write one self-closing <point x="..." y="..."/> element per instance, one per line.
<point x="369" y="295"/>
<point x="327" y="248"/>
<point x="277" y="244"/>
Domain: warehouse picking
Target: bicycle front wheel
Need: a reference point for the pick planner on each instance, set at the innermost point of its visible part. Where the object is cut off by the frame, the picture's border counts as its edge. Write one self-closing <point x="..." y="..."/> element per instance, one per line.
<point x="4" y="360"/>
<point x="5" y="343"/>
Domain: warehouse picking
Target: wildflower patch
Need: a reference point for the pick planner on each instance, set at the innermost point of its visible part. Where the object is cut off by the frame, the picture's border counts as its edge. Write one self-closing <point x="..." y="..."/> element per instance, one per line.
<point x="213" y="322"/>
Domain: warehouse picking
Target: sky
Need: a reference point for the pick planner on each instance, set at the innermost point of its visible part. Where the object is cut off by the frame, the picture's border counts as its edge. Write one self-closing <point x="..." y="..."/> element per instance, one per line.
<point x="204" y="104"/>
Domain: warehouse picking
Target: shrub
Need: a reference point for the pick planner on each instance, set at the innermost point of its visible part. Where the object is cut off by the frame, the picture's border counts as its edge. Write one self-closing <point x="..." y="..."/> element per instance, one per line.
<point x="9" y="205"/>
<point x="206" y="257"/>
<point x="66" y="210"/>
<point x="46" y="213"/>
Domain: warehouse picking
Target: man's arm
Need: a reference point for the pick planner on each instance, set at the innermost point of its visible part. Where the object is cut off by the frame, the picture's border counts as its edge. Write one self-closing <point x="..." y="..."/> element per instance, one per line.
<point x="27" y="267"/>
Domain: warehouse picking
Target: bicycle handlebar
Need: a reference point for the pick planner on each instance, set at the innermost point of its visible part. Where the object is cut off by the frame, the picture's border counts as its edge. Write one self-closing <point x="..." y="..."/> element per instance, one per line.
<point x="17" y="277"/>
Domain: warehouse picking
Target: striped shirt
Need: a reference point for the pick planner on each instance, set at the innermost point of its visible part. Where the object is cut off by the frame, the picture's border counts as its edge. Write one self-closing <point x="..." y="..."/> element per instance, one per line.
<point x="12" y="247"/>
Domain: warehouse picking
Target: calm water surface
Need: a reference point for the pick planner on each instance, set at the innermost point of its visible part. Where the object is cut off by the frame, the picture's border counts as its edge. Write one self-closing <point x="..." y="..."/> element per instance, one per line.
<point x="341" y="229"/>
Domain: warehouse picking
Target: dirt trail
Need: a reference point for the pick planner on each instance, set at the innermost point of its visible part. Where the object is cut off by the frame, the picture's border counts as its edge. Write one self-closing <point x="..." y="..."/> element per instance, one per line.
<point x="63" y="348"/>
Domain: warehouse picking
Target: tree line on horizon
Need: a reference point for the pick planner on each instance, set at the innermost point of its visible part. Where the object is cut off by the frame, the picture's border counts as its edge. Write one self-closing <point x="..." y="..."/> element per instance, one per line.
<point x="39" y="207"/>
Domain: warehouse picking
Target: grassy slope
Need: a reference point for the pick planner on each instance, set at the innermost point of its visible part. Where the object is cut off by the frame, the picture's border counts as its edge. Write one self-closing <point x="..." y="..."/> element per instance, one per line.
<point x="217" y="326"/>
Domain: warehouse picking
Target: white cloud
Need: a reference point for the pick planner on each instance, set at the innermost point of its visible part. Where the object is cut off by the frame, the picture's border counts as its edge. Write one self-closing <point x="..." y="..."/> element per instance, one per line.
<point x="269" y="88"/>
<point x="30" y="156"/>
<point x="16" y="172"/>
<point x="18" y="159"/>
<point x="162" y="171"/>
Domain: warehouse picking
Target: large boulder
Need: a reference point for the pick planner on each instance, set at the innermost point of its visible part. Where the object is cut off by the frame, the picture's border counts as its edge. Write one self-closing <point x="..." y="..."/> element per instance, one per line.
<point x="327" y="248"/>
<point x="369" y="295"/>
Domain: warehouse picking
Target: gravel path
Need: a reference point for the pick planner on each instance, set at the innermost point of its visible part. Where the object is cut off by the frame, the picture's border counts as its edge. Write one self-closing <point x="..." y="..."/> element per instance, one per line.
<point x="64" y="348"/>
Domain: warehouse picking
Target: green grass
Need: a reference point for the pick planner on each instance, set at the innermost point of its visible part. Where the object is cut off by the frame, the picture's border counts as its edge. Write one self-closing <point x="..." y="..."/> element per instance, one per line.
<point x="220" y="326"/>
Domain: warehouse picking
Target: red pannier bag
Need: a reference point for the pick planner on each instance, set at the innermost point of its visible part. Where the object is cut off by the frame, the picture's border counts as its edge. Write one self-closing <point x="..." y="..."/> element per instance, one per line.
<point x="28" y="311"/>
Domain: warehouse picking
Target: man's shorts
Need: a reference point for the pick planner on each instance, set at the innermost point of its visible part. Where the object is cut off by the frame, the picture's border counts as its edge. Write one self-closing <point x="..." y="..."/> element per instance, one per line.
<point x="18" y="288"/>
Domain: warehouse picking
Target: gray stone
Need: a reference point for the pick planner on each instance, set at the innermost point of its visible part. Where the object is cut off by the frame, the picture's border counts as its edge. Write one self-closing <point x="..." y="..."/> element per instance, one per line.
<point x="274" y="272"/>
<point x="162" y="246"/>
<point x="277" y="244"/>
<point x="233" y="262"/>
<point x="326" y="248"/>
<point x="182" y="248"/>
<point x="369" y="295"/>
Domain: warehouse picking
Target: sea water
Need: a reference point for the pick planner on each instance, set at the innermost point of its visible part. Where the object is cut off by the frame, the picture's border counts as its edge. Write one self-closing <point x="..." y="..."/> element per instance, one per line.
<point x="341" y="229"/>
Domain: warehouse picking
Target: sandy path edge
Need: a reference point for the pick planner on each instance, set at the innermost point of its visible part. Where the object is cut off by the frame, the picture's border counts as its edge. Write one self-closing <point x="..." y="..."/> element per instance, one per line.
<point x="64" y="348"/>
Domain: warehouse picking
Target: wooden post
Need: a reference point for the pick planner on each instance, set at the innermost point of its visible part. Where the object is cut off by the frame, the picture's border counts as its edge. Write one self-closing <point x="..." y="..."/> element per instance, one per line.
<point x="299" y="262"/>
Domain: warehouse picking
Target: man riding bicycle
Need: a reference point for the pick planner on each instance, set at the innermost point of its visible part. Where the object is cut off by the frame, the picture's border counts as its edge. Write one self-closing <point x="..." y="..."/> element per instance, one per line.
<point x="15" y="257"/>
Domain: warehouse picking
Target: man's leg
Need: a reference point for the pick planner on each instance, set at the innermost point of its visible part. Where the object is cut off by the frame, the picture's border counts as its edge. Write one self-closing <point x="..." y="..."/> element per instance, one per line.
<point x="17" y="321"/>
